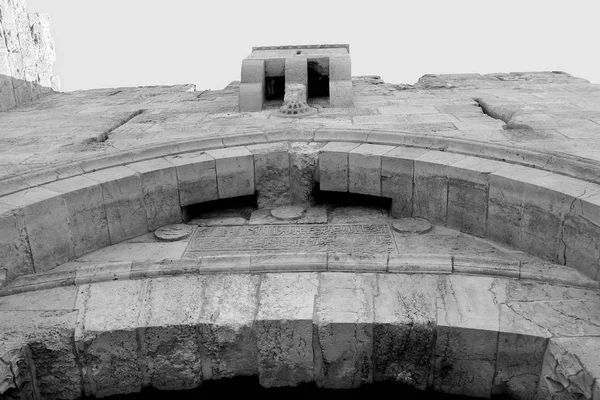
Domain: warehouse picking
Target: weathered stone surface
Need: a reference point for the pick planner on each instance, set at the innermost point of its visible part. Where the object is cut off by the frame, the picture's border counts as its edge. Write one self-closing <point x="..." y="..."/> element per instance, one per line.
<point x="123" y="200"/>
<point x="404" y="330"/>
<point x="303" y="171"/>
<point x="87" y="215"/>
<point x="271" y="174"/>
<point x="169" y="339"/>
<point x="364" y="174"/>
<point x="467" y="334"/>
<point x="49" y="335"/>
<point x="40" y="209"/>
<point x="127" y="251"/>
<point x="344" y="330"/>
<point x="397" y="178"/>
<point x="196" y="177"/>
<point x="311" y="215"/>
<point x="227" y="340"/>
<point x="288" y="212"/>
<point x="333" y="166"/>
<point x="284" y="328"/>
<point x="102" y="272"/>
<point x="235" y="171"/>
<point x="14" y="247"/>
<point x="170" y="233"/>
<point x="107" y="338"/>
<point x="420" y="263"/>
<point x="411" y="226"/>
<point x="571" y="369"/>
<point x="60" y="298"/>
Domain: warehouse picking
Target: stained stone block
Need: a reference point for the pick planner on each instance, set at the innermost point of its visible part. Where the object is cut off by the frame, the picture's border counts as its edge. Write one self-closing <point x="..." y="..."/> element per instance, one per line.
<point x="397" y="178"/>
<point x="430" y="197"/>
<point x="340" y="93"/>
<point x="196" y="177"/>
<point x="344" y="330"/>
<point x="160" y="192"/>
<point x="170" y="338"/>
<point x="42" y="208"/>
<point x="271" y="174"/>
<point x="107" y="336"/>
<point x="364" y="164"/>
<point x="296" y="70"/>
<point x="581" y="241"/>
<point x="89" y="225"/>
<point x="303" y="168"/>
<point x="227" y="340"/>
<point x="284" y="328"/>
<point x="467" y="334"/>
<point x="14" y="247"/>
<point x="235" y="171"/>
<point x="340" y="69"/>
<point x="571" y="369"/>
<point x="404" y="330"/>
<point x="333" y="166"/>
<point x="123" y="201"/>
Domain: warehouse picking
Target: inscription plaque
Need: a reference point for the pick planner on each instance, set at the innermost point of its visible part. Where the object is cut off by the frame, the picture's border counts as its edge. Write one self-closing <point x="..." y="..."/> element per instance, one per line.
<point x="347" y="238"/>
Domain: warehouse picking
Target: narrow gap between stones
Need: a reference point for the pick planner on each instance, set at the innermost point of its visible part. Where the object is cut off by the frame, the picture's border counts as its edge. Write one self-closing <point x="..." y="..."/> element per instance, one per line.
<point x="249" y="387"/>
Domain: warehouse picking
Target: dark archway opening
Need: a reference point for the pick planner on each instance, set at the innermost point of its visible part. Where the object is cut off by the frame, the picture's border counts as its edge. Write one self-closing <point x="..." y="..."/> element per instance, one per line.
<point x="275" y="87"/>
<point x="334" y="200"/>
<point x="249" y="387"/>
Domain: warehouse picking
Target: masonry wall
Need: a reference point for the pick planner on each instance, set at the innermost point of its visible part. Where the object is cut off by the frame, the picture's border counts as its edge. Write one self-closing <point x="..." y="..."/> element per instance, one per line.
<point x="26" y="55"/>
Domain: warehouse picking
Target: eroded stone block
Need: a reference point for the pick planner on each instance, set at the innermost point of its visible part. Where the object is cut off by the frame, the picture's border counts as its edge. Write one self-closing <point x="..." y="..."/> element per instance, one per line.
<point x="235" y="171"/>
<point x="303" y="171"/>
<point x="404" y="331"/>
<point x="227" y="340"/>
<point x="340" y="69"/>
<point x="284" y="328"/>
<point x="344" y="330"/>
<point x="271" y="174"/>
<point x="14" y="247"/>
<point x="296" y="70"/>
<point x="340" y="93"/>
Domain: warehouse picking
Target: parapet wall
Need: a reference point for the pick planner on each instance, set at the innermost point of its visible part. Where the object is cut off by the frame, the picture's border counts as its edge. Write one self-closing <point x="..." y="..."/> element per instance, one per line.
<point x="26" y="55"/>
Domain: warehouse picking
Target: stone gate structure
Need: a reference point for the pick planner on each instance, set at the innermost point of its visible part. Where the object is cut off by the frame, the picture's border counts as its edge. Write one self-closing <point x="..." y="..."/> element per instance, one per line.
<point x="444" y="234"/>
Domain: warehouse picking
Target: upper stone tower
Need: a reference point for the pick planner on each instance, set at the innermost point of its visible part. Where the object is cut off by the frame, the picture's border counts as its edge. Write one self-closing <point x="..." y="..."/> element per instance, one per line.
<point x="325" y="71"/>
<point x="26" y="55"/>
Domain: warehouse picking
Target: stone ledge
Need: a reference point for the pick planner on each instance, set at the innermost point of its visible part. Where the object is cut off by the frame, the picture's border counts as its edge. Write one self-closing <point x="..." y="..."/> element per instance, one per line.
<point x="423" y="264"/>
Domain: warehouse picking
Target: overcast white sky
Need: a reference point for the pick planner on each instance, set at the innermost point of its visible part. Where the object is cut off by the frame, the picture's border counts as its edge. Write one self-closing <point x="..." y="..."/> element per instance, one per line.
<point x="113" y="43"/>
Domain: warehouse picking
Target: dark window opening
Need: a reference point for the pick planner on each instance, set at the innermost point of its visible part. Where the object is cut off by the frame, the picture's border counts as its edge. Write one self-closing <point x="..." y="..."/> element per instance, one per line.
<point x="234" y="208"/>
<point x="318" y="78"/>
<point x="275" y="87"/>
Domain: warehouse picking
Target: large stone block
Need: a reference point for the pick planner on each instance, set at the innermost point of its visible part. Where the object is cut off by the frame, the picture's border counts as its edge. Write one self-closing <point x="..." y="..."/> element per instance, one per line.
<point x="571" y="369"/>
<point x="284" y="328"/>
<point x="252" y="96"/>
<point x="340" y="69"/>
<point x="123" y="201"/>
<point x="89" y="225"/>
<point x="340" y="93"/>
<point x="271" y="174"/>
<point x="397" y="178"/>
<point x="333" y="166"/>
<point x="169" y="340"/>
<point x="404" y="330"/>
<point x="43" y="208"/>
<point x="196" y="177"/>
<point x="581" y="241"/>
<point x="235" y="171"/>
<point x="344" y="330"/>
<point x="430" y="197"/>
<point x="160" y="192"/>
<point x="296" y="70"/>
<point x="107" y="337"/>
<point x="364" y="169"/>
<point x="14" y="246"/>
<point x="227" y="340"/>
<point x="253" y="71"/>
<point x="467" y="334"/>
<point x="303" y="171"/>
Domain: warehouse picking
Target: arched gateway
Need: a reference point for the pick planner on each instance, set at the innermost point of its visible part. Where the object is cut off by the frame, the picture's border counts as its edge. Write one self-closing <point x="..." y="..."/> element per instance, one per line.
<point x="474" y="271"/>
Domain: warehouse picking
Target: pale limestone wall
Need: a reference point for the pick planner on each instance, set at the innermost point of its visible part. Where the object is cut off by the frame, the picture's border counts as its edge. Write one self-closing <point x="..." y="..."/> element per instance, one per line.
<point x="26" y="55"/>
